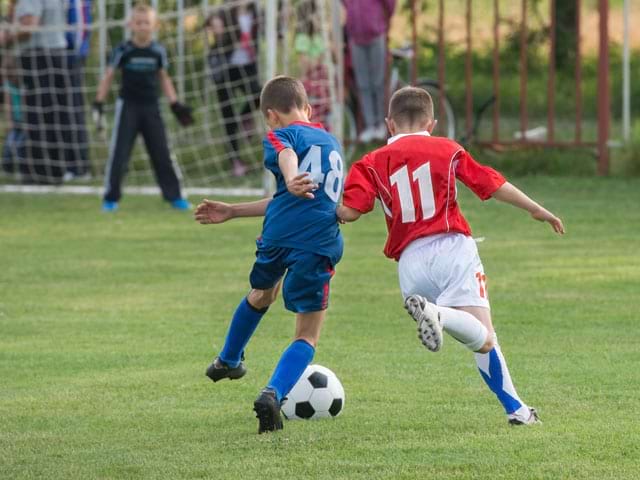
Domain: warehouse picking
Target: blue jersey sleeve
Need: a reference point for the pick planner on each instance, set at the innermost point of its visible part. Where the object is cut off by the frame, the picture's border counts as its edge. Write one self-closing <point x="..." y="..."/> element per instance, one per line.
<point x="274" y="143"/>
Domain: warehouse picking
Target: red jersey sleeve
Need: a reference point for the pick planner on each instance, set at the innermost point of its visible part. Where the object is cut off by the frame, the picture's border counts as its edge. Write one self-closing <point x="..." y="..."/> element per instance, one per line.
<point x="360" y="190"/>
<point x="481" y="180"/>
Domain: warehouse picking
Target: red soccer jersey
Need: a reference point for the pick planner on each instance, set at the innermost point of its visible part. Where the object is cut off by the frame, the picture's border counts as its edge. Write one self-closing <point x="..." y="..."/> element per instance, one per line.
<point x="414" y="177"/>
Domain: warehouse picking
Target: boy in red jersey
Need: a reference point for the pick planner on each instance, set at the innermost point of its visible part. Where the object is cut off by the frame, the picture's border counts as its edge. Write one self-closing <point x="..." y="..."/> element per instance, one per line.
<point x="441" y="275"/>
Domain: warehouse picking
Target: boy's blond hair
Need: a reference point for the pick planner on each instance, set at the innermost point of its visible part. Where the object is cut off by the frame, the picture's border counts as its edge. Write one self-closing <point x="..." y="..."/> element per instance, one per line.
<point x="411" y="106"/>
<point x="142" y="8"/>
<point x="282" y="94"/>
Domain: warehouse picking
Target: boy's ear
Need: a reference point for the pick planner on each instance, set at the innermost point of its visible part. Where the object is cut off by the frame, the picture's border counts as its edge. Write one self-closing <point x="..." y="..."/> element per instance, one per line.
<point x="391" y="125"/>
<point x="272" y="116"/>
<point x="308" y="110"/>
<point x="431" y="125"/>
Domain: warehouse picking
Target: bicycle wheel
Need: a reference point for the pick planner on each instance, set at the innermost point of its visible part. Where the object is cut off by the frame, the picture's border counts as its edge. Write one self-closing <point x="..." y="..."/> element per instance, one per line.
<point x="442" y="109"/>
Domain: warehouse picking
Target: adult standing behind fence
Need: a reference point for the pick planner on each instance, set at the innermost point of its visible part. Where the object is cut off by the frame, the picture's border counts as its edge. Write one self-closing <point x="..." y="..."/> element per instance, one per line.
<point x="367" y="28"/>
<point x="233" y="64"/>
<point x="39" y="33"/>
<point x="78" y="36"/>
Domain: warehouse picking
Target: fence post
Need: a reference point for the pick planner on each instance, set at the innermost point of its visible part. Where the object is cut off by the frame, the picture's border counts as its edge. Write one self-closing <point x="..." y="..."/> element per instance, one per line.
<point x="271" y="32"/>
<point x="102" y="35"/>
<point x="496" y="71"/>
<point x="626" y="77"/>
<point x="604" y="100"/>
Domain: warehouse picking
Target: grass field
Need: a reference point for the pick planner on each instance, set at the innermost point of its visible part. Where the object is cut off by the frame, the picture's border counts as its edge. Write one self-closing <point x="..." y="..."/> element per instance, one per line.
<point x="107" y="323"/>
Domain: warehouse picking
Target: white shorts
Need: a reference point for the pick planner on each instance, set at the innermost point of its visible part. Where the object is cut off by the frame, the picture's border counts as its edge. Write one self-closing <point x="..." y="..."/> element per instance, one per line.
<point x="445" y="269"/>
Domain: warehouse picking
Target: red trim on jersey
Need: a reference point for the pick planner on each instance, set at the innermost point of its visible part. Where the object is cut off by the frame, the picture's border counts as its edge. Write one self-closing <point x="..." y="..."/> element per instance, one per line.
<point x="275" y="141"/>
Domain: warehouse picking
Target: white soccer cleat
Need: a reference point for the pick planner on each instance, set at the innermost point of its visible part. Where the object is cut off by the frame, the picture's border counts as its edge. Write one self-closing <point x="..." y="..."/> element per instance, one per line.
<point x="531" y="419"/>
<point x="428" y="319"/>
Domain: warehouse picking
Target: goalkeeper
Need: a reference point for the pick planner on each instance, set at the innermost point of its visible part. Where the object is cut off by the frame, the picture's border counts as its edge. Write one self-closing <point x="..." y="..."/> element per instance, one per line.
<point x="143" y="63"/>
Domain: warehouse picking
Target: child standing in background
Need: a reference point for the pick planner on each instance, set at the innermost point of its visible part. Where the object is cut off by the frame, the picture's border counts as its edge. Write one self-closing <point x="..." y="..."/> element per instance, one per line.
<point x="143" y="63"/>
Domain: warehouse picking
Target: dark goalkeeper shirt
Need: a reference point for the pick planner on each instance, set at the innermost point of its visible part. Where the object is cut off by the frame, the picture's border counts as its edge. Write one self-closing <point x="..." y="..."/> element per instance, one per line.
<point x="140" y="67"/>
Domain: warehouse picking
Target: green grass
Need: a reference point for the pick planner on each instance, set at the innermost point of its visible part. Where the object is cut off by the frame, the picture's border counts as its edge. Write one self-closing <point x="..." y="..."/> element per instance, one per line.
<point x="107" y="323"/>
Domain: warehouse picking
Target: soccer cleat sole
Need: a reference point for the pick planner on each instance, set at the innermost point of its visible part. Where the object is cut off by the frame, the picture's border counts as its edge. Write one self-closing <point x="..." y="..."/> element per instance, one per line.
<point x="428" y="321"/>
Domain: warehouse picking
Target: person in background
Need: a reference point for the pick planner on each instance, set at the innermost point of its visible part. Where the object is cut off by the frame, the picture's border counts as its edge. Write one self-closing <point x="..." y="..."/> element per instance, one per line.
<point x="310" y="47"/>
<point x="78" y="37"/>
<point x="233" y="64"/>
<point x="13" y="148"/>
<point x="38" y="33"/>
<point x="367" y="28"/>
<point x="143" y="63"/>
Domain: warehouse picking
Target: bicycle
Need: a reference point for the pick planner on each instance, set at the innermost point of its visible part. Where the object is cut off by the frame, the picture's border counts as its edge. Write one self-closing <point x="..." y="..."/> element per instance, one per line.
<point x="446" y="125"/>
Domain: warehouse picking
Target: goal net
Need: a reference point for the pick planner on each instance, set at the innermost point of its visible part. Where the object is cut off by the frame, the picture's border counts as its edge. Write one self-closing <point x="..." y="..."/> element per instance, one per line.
<point x="220" y="53"/>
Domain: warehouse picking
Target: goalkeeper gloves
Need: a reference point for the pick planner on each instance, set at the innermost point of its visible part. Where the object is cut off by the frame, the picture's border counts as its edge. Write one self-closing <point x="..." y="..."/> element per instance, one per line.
<point x="182" y="113"/>
<point x="97" y="112"/>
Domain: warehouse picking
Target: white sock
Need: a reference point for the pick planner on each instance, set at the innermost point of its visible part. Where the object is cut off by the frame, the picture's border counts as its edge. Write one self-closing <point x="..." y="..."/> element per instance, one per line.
<point x="464" y="327"/>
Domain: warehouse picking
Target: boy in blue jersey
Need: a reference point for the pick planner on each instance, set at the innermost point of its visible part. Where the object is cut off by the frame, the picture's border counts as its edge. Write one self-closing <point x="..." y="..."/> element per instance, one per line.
<point x="299" y="246"/>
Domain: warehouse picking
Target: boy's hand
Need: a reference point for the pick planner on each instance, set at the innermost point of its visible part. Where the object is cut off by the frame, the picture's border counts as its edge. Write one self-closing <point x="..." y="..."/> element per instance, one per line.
<point x="302" y="186"/>
<point x="182" y="113"/>
<point x="97" y="112"/>
<point x="209" y="212"/>
<point x="544" y="215"/>
<point x="347" y="214"/>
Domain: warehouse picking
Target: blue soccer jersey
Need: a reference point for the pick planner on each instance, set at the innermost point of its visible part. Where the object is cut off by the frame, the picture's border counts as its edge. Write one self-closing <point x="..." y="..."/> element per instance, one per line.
<point x="300" y="223"/>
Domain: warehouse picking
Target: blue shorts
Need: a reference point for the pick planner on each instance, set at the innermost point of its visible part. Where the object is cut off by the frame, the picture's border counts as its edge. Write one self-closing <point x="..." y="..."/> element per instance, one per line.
<point x="306" y="284"/>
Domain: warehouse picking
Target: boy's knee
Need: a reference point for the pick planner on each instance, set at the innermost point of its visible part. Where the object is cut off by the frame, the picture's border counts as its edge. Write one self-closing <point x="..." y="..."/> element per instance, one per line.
<point x="260" y="299"/>
<point x="489" y="343"/>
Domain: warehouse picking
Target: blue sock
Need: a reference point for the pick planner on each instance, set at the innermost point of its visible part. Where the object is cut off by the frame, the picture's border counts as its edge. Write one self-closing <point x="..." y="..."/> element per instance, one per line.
<point x="494" y="371"/>
<point x="243" y="324"/>
<point x="290" y="367"/>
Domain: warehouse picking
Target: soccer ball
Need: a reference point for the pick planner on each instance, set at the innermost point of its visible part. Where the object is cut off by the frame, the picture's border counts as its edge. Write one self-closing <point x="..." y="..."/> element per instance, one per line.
<point x="318" y="394"/>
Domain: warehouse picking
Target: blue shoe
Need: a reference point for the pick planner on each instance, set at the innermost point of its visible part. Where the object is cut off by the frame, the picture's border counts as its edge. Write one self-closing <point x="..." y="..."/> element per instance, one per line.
<point x="108" y="206"/>
<point x="181" y="204"/>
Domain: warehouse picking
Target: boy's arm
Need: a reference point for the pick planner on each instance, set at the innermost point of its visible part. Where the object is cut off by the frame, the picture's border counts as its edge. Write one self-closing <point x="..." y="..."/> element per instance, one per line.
<point x="298" y="185"/>
<point x="509" y="194"/>
<point x="105" y="85"/>
<point x="209" y="211"/>
<point x="167" y="87"/>
<point x="180" y="110"/>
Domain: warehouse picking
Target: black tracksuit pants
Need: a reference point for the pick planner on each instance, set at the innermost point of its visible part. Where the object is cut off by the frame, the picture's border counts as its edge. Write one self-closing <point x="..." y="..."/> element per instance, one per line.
<point x="131" y="118"/>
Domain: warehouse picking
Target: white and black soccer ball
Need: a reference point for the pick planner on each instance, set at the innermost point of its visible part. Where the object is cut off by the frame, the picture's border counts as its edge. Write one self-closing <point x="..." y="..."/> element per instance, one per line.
<point x="318" y="394"/>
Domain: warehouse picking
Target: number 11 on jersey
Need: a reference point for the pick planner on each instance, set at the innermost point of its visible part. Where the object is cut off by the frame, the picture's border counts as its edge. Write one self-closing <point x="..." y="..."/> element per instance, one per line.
<point x="421" y="175"/>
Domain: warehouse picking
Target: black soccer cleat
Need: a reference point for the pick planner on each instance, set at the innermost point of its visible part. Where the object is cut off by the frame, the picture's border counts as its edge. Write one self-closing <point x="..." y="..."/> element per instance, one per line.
<point x="267" y="410"/>
<point x="219" y="370"/>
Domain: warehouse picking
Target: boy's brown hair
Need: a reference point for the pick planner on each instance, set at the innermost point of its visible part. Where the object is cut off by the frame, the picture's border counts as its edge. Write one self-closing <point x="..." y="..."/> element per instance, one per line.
<point x="411" y="106"/>
<point x="283" y="93"/>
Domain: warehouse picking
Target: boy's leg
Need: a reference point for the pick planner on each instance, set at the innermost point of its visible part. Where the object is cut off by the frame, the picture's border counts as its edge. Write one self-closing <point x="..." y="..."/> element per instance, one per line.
<point x="292" y="364"/>
<point x="494" y="371"/>
<point x="306" y="292"/>
<point x="298" y="354"/>
<point x="244" y="322"/>
<point x="155" y="139"/>
<point x="125" y="129"/>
